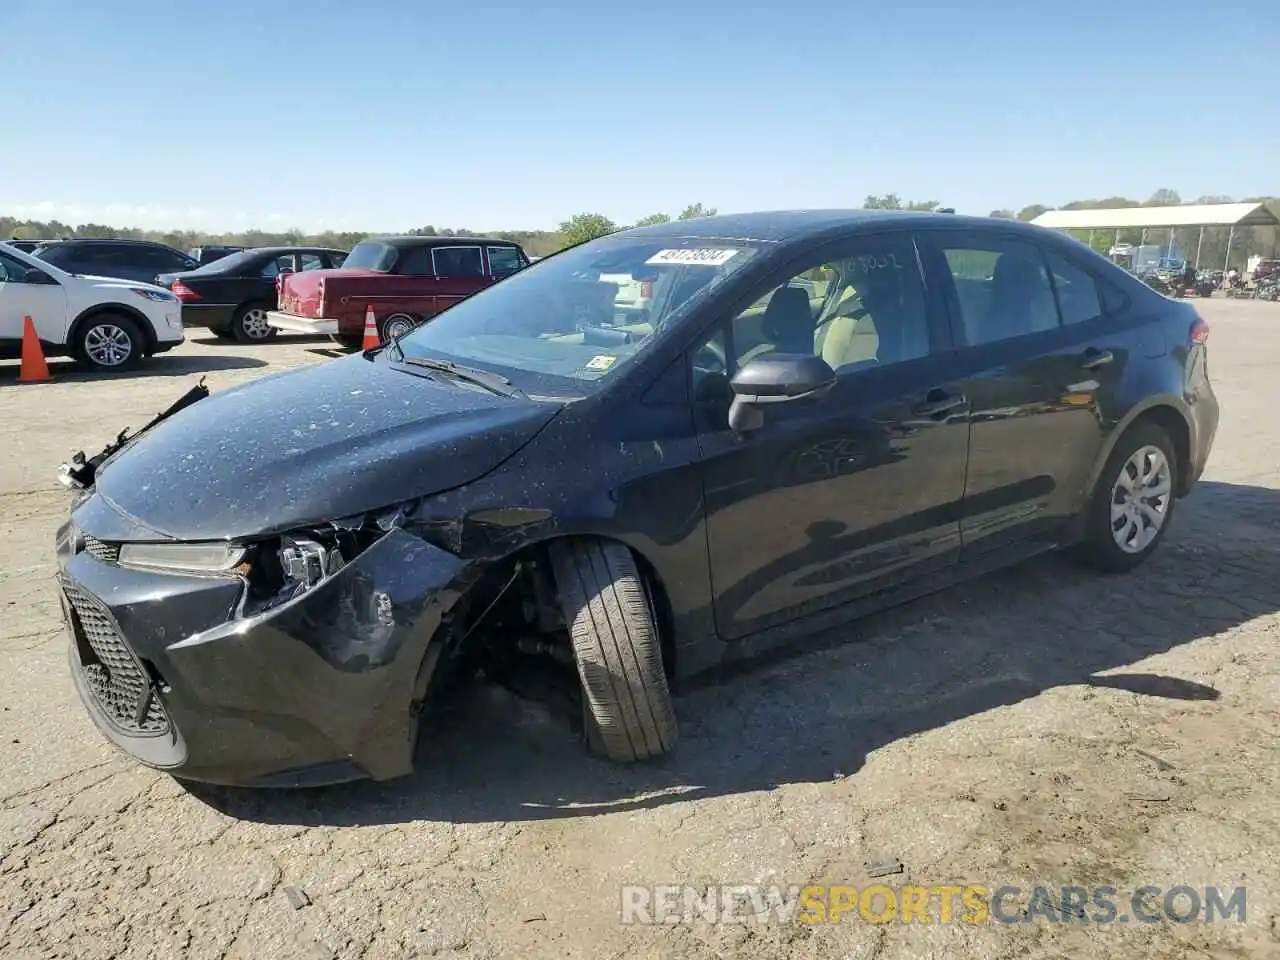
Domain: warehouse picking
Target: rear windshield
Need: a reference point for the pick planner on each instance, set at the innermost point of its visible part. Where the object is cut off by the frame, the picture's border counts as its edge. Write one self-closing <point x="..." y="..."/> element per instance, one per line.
<point x="372" y="255"/>
<point x="230" y="262"/>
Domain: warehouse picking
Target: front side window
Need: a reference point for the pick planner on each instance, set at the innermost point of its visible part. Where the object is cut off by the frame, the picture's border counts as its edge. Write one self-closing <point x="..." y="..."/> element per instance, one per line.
<point x="864" y="308"/>
<point x="457" y="262"/>
<point x="310" y="261"/>
<point x="556" y="326"/>
<point x="504" y="261"/>
<point x="1078" y="296"/>
<point x="1002" y="289"/>
<point x="13" y="270"/>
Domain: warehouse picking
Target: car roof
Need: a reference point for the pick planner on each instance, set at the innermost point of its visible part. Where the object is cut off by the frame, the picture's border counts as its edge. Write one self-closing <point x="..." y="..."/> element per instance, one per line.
<point x="405" y="242"/>
<point x="94" y="241"/>
<point x="786" y="225"/>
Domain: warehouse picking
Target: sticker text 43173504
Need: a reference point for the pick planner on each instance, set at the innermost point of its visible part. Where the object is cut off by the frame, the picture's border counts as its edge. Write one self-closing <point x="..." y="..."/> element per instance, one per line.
<point x="694" y="257"/>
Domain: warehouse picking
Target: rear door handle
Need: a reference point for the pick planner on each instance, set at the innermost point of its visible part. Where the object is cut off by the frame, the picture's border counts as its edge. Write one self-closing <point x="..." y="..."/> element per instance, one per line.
<point x="938" y="403"/>
<point x="1094" y="358"/>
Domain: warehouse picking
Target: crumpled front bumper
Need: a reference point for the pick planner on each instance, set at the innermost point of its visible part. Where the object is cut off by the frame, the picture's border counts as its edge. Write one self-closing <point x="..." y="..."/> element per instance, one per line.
<point x="317" y="690"/>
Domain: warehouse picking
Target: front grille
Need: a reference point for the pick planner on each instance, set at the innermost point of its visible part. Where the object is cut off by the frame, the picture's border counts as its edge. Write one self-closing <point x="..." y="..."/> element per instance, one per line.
<point x="106" y="552"/>
<point x="113" y="673"/>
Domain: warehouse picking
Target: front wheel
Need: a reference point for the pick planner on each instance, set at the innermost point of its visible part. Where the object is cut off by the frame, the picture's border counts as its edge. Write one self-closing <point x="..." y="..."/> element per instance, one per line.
<point x="607" y="607"/>
<point x="109" y="343"/>
<point x="1133" y="500"/>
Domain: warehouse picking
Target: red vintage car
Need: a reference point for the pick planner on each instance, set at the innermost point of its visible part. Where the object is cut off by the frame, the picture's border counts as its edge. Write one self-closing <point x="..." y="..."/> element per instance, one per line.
<point x="406" y="280"/>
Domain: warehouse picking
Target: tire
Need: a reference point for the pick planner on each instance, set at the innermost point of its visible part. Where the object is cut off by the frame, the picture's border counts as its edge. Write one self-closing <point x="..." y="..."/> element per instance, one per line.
<point x="1100" y="547"/>
<point x="396" y="325"/>
<point x="109" y="343"/>
<point x="607" y="608"/>
<point x="249" y="324"/>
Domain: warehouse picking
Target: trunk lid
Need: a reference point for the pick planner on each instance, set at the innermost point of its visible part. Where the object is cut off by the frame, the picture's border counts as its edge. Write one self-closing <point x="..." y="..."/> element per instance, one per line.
<point x="301" y="294"/>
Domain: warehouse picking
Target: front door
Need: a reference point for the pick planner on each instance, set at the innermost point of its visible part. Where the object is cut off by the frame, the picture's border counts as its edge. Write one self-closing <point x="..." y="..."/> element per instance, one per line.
<point x="854" y="491"/>
<point x="45" y="303"/>
<point x="1037" y="354"/>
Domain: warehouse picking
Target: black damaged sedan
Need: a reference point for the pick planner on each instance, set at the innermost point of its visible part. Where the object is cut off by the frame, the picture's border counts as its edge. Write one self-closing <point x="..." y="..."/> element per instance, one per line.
<point x="813" y="415"/>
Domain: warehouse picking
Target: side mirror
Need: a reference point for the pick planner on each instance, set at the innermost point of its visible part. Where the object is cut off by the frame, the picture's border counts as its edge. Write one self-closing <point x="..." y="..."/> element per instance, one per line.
<point x="32" y="275"/>
<point x="778" y="378"/>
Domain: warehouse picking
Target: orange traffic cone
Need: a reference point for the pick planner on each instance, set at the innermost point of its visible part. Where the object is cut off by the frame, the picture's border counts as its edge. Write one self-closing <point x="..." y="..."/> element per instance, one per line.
<point x="371" y="338"/>
<point x="34" y="369"/>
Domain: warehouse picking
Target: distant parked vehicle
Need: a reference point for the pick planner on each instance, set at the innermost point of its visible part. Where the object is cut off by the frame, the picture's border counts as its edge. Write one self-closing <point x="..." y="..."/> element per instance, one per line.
<point x="26" y="246"/>
<point x="405" y="279"/>
<point x="140" y="260"/>
<point x="205" y="255"/>
<point x="232" y="295"/>
<point x="107" y="325"/>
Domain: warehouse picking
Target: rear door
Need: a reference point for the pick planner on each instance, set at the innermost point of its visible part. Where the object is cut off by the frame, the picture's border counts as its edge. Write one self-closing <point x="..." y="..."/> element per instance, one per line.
<point x="1037" y="353"/>
<point x="460" y="272"/>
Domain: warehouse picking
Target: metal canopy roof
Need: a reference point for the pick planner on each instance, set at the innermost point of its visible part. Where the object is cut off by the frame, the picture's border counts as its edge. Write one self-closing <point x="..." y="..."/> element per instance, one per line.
<point x="1183" y="215"/>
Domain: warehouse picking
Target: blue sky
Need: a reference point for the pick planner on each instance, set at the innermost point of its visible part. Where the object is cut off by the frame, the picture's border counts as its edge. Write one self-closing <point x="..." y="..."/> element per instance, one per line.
<point x="494" y="114"/>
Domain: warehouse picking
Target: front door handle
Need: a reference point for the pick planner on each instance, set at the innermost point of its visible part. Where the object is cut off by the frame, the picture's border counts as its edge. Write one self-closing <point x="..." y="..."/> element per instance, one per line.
<point x="1095" y="358"/>
<point x="937" y="403"/>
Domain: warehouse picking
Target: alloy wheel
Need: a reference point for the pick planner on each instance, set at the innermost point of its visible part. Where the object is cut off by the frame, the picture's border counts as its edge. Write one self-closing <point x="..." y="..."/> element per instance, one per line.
<point x="255" y="324"/>
<point x="108" y="345"/>
<point x="1140" y="499"/>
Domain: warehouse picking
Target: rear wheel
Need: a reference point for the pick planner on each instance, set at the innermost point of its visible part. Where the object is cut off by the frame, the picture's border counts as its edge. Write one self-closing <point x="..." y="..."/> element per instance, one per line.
<point x="607" y="608"/>
<point x="249" y="325"/>
<point x="109" y="342"/>
<point x="1133" y="500"/>
<point x="397" y="325"/>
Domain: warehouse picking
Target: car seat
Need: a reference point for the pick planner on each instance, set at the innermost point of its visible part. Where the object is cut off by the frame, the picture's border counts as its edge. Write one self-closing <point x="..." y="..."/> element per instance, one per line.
<point x="787" y="325"/>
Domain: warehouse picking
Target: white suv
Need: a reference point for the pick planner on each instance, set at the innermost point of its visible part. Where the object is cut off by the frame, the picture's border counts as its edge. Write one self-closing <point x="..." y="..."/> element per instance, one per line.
<point x="105" y="324"/>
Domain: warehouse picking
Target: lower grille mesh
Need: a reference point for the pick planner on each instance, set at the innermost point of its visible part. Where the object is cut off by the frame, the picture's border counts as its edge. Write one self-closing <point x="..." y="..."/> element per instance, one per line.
<point x="117" y="679"/>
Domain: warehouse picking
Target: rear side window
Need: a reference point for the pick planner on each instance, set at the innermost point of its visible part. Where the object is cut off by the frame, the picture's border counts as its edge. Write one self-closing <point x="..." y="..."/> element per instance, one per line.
<point x="1079" y="299"/>
<point x="415" y="263"/>
<point x="458" y="262"/>
<point x="1002" y="289"/>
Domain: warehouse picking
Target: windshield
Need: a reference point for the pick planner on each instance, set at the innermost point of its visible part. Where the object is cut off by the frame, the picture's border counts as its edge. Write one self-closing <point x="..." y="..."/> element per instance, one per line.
<point x="372" y="255"/>
<point x="582" y="315"/>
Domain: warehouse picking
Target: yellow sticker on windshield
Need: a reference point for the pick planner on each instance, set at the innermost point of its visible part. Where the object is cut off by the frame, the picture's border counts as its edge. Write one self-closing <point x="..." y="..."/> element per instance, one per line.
<point x="601" y="363"/>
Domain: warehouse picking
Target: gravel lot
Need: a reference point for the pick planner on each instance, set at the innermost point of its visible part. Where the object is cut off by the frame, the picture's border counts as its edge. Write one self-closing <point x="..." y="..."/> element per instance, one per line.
<point x="995" y="734"/>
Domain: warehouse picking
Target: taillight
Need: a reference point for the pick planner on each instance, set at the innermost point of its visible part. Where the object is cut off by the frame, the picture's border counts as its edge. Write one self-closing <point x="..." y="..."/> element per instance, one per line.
<point x="646" y="289"/>
<point x="183" y="292"/>
<point x="1199" y="331"/>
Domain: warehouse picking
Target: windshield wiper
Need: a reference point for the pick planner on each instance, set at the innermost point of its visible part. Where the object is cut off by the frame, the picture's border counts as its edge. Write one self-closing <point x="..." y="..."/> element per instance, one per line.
<point x="493" y="382"/>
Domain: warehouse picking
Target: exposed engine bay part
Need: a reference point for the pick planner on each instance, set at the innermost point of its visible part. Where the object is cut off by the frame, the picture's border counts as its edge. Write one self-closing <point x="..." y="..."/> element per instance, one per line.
<point x="80" y="472"/>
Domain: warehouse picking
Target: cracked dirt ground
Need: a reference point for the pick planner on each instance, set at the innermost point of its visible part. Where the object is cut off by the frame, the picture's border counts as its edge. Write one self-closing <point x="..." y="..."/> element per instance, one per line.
<point x="993" y="734"/>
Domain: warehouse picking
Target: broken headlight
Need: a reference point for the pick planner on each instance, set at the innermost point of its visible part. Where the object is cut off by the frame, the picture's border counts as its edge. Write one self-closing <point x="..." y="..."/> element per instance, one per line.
<point x="286" y="567"/>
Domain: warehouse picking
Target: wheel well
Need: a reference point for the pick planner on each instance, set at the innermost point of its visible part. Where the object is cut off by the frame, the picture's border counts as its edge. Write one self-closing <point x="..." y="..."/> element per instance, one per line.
<point x="1175" y="428"/>
<point x="117" y="309"/>
<point x="524" y="577"/>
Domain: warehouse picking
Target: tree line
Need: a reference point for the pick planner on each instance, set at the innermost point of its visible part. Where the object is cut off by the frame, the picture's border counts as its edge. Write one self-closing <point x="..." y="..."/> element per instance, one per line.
<point x="587" y="226"/>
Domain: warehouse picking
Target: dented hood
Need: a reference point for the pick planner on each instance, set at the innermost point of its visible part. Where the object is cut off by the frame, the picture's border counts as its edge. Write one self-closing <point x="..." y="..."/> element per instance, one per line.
<point x="310" y="445"/>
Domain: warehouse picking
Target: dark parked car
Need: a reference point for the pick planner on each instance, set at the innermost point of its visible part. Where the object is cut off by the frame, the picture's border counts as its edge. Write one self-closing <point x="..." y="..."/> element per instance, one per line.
<point x="530" y="483"/>
<point x="26" y="246"/>
<point x="231" y="295"/>
<point x="139" y="260"/>
<point x="204" y="255"/>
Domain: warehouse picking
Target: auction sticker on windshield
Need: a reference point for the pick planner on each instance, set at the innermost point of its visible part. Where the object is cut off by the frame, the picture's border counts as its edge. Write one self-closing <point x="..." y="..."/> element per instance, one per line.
<point x="601" y="362"/>
<point x="693" y="256"/>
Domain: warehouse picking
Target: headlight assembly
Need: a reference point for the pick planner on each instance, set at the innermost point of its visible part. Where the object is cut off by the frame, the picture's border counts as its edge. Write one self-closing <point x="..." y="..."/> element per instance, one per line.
<point x="189" y="557"/>
<point x="159" y="296"/>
